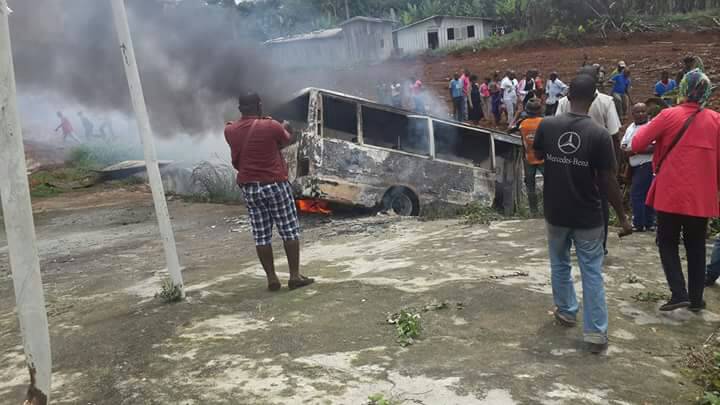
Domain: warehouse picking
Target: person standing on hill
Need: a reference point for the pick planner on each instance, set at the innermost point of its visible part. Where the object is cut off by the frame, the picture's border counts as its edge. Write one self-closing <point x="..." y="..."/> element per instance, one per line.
<point x="486" y="98"/>
<point x="685" y="191"/>
<point x="256" y="145"/>
<point x="456" y="93"/>
<point x="621" y="89"/>
<point x="476" y="113"/>
<point x="556" y="89"/>
<point x="496" y="97"/>
<point x="664" y="86"/>
<point x="579" y="170"/>
<point x="465" y="80"/>
<point x="642" y="172"/>
<point x="509" y="88"/>
<point x="87" y="125"/>
<point x="533" y="164"/>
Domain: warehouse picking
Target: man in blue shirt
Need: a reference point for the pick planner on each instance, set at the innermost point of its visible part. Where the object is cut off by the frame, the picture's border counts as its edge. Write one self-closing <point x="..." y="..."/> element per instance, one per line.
<point x="621" y="90"/>
<point x="457" y="93"/>
<point x="665" y="85"/>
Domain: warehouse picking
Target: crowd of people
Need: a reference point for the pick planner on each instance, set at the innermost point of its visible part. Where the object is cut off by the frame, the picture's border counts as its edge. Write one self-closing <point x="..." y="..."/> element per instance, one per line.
<point x="571" y="136"/>
<point x="66" y="128"/>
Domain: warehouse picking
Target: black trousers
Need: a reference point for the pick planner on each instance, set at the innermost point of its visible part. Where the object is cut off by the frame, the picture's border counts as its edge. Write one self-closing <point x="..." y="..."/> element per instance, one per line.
<point x="692" y="229"/>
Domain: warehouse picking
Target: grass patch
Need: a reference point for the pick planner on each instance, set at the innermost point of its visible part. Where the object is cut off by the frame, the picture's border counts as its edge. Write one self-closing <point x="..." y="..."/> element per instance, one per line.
<point x="650" y="296"/>
<point x="512" y="39"/>
<point x="49" y="183"/>
<point x="98" y="155"/>
<point x="479" y="214"/>
<point x="408" y="323"/>
<point x="379" y="399"/>
<point x="169" y="292"/>
<point x="703" y="363"/>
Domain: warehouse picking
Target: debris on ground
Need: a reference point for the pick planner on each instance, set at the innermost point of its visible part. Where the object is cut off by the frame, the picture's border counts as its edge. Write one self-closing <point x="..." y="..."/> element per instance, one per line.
<point x="650" y="296"/>
<point x="510" y="275"/>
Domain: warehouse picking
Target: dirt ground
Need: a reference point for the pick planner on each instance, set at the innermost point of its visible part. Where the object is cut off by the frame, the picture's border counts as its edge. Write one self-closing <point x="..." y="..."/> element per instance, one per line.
<point x="232" y="342"/>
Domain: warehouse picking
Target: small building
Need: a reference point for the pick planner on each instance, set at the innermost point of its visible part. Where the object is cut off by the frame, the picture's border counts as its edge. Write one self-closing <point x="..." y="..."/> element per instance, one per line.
<point x="359" y="40"/>
<point x="441" y="31"/>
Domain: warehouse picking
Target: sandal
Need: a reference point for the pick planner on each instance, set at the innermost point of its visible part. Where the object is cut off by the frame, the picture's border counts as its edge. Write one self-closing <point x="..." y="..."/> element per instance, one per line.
<point x="301" y="282"/>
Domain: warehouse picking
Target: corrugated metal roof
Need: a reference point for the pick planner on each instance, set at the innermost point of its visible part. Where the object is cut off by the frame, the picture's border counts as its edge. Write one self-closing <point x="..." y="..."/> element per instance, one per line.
<point x="367" y="19"/>
<point x="441" y="17"/>
<point x="322" y="34"/>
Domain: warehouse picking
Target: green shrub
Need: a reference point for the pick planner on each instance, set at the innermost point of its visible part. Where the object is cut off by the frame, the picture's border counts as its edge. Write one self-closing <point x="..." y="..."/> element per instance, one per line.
<point x="169" y="292"/>
<point x="96" y="155"/>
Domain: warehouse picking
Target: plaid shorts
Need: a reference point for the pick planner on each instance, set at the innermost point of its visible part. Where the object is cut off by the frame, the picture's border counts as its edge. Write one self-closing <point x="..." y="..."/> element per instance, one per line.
<point x="270" y="204"/>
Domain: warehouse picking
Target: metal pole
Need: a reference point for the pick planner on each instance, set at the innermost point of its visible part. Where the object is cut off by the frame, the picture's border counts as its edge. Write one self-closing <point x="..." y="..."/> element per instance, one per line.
<point x="20" y="228"/>
<point x="143" y="120"/>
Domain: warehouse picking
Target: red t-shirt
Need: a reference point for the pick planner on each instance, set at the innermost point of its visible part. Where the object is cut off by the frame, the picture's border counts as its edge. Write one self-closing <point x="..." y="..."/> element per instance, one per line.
<point x="67" y="127"/>
<point x="256" y="151"/>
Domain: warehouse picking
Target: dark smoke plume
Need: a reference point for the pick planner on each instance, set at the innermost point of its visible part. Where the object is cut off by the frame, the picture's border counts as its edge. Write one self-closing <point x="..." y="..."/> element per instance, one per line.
<point x="193" y="58"/>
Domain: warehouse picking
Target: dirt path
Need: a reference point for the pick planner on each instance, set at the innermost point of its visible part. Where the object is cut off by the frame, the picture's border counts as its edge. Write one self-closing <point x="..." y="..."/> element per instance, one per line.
<point x="233" y="342"/>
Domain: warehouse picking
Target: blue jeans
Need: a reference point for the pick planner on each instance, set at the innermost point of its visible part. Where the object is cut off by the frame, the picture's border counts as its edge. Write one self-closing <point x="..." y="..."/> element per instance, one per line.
<point x="713" y="268"/>
<point x="642" y="178"/>
<point x="590" y="254"/>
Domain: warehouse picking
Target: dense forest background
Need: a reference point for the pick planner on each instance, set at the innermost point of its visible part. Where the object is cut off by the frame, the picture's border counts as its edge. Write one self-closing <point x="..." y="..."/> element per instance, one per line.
<point x="270" y="18"/>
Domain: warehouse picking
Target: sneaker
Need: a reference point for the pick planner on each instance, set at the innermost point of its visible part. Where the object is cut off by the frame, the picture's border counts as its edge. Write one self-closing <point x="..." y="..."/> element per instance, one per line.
<point x="710" y="280"/>
<point x="697" y="308"/>
<point x="638" y="229"/>
<point x="565" y="320"/>
<point x="597" y="348"/>
<point x="650" y="228"/>
<point x="674" y="304"/>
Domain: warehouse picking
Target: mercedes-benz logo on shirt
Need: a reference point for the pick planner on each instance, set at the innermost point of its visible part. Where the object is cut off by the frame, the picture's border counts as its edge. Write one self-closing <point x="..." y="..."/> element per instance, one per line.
<point x="569" y="143"/>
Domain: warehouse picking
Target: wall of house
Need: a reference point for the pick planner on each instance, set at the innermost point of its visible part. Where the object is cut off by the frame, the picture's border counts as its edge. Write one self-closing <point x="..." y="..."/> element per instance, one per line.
<point x="309" y="53"/>
<point x="367" y="41"/>
<point x="415" y="38"/>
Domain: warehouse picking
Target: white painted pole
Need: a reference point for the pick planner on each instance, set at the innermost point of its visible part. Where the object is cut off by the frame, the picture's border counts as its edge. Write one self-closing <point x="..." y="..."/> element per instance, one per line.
<point x="20" y="228"/>
<point x="138" y="100"/>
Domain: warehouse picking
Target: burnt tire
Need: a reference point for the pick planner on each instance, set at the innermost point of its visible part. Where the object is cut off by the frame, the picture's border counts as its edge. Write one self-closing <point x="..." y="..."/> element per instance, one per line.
<point x="402" y="201"/>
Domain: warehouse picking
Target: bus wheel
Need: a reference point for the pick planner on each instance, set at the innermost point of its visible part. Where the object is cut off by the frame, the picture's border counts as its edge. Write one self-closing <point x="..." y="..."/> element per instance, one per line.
<point x="402" y="201"/>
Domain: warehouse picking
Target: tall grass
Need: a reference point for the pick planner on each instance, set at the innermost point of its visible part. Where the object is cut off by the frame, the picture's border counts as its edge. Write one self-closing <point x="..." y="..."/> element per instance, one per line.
<point x="96" y="155"/>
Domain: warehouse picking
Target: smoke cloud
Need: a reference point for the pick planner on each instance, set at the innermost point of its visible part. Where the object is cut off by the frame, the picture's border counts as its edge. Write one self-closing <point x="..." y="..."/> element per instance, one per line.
<point x="193" y="59"/>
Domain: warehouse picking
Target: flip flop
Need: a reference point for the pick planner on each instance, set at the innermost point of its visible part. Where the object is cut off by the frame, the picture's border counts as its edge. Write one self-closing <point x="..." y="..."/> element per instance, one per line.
<point x="276" y="286"/>
<point x="302" y="282"/>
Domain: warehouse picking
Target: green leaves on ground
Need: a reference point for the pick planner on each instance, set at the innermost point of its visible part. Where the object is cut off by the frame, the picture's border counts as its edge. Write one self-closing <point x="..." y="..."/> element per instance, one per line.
<point x="650" y="296"/>
<point x="169" y="292"/>
<point x="408" y="322"/>
<point x="379" y="399"/>
<point x="479" y="214"/>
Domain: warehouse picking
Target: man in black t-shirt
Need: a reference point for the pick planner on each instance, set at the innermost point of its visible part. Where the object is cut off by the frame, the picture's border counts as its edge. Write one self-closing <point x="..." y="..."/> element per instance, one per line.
<point x="579" y="161"/>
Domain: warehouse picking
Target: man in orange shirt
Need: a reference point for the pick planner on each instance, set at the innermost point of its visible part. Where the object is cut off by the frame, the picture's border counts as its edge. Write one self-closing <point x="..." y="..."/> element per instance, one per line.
<point x="533" y="164"/>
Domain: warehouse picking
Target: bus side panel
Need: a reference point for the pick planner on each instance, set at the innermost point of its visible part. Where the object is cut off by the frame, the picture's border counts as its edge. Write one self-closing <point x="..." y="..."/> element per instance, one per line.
<point x="376" y="170"/>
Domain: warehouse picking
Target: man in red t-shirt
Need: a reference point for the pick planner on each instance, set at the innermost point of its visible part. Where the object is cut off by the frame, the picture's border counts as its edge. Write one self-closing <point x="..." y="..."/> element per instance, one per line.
<point x="256" y="145"/>
<point x="67" y="128"/>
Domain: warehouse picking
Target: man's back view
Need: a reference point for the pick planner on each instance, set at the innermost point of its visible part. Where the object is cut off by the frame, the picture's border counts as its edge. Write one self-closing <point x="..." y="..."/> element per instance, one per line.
<point x="579" y="161"/>
<point x="256" y="148"/>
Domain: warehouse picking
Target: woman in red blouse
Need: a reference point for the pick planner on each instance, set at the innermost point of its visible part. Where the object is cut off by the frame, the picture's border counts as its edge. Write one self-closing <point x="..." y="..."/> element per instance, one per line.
<point x="685" y="190"/>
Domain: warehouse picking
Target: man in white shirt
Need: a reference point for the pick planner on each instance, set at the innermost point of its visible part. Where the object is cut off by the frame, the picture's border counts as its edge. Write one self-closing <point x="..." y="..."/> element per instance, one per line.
<point x="555" y="89"/>
<point x="642" y="173"/>
<point x="509" y="85"/>
<point x="603" y="112"/>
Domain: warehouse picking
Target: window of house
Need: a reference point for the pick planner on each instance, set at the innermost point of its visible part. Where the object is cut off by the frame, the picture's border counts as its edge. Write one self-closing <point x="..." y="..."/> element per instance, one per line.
<point x="339" y="119"/>
<point x="395" y="131"/>
<point x="450" y="34"/>
<point x="462" y="145"/>
<point x="471" y="31"/>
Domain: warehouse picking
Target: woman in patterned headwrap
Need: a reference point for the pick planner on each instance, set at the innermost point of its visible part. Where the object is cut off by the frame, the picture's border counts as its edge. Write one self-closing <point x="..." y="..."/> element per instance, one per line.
<point x="685" y="190"/>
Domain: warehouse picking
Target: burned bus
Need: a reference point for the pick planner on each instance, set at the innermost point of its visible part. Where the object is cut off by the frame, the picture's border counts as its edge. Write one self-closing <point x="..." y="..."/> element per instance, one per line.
<point x="358" y="152"/>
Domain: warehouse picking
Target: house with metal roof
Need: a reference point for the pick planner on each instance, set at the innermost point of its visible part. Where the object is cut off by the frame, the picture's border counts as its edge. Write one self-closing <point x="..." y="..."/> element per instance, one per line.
<point x="441" y="31"/>
<point x="355" y="41"/>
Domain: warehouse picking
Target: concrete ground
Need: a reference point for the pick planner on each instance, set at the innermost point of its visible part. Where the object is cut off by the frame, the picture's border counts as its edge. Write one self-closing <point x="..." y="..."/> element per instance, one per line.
<point x="232" y="342"/>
